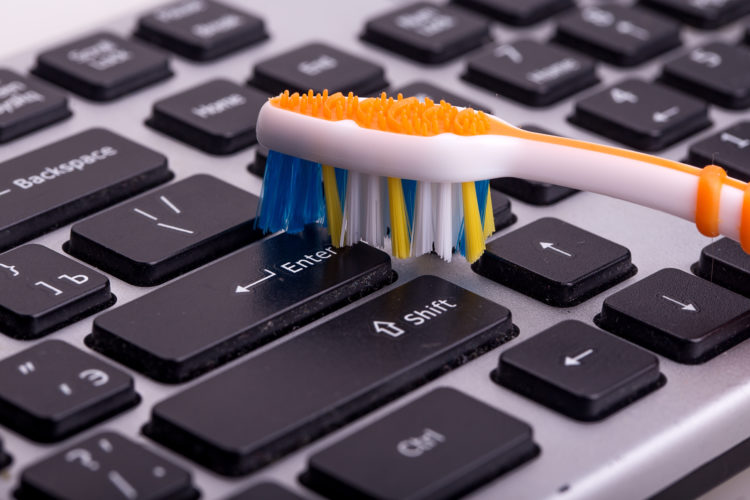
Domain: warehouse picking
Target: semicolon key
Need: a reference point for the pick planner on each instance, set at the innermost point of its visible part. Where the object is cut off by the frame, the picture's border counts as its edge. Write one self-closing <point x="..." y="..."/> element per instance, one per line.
<point x="53" y="390"/>
<point x="237" y="303"/>
<point x="68" y="179"/>
<point x="105" y="466"/>
<point x="167" y="232"/>
<point x="437" y="447"/>
<point x="27" y="104"/>
<point x="201" y="30"/>
<point x="678" y="315"/>
<point x="102" y="66"/>
<point x="42" y="290"/>
<point x="344" y="367"/>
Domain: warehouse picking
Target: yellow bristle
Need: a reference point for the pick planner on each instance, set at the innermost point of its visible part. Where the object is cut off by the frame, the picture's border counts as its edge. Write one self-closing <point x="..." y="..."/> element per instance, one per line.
<point x="473" y="230"/>
<point x="489" y="217"/>
<point x="333" y="204"/>
<point x="401" y="246"/>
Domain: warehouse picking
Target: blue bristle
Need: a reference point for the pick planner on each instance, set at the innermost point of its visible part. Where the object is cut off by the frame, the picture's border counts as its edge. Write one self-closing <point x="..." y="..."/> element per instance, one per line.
<point x="292" y="194"/>
<point x="341" y="177"/>
<point x="410" y="195"/>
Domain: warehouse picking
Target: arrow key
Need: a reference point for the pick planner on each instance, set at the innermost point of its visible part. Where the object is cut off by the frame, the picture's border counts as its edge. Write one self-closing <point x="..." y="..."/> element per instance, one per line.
<point x="579" y="371"/>
<point x="642" y="115"/>
<point x="678" y="315"/>
<point x="555" y="262"/>
<point x="729" y="149"/>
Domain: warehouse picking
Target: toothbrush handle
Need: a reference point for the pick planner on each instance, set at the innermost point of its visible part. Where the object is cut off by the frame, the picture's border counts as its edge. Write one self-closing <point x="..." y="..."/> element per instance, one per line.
<point x="718" y="204"/>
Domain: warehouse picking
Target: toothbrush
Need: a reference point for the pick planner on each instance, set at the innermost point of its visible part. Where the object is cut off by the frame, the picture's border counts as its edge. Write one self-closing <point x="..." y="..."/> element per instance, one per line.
<point x="416" y="173"/>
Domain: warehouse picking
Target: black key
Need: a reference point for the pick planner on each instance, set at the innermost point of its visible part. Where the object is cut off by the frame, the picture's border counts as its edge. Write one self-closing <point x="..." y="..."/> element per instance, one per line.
<point x="437" y="447"/>
<point x="53" y="390"/>
<point x="238" y="303"/>
<point x="167" y="232"/>
<point x="41" y="291"/>
<point x="218" y="116"/>
<point x="102" y="66"/>
<point x="555" y="262"/>
<point x="535" y="193"/>
<point x="501" y="211"/>
<point x="716" y="72"/>
<point x="5" y="458"/>
<point x="725" y="263"/>
<point x="515" y="12"/>
<point x="618" y="34"/>
<point x="27" y="105"/>
<point x="678" y="315"/>
<point x="337" y="370"/>
<point x="534" y="73"/>
<point x="427" y="32"/>
<point x="579" y="371"/>
<point x="258" y="166"/>
<point x="201" y="30"/>
<point x="421" y="89"/>
<point x="266" y="491"/>
<point x="318" y="66"/>
<point x="109" y="466"/>
<point x="56" y="184"/>
<point x="643" y="115"/>
<point x="702" y="14"/>
<point x="728" y="149"/>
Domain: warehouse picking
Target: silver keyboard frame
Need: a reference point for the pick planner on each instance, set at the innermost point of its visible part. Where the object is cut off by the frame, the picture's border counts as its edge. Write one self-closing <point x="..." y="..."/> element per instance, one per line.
<point x="701" y="411"/>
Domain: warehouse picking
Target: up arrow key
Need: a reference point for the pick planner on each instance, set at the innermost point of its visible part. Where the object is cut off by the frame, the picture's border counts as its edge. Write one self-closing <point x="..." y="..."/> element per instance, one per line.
<point x="388" y="327"/>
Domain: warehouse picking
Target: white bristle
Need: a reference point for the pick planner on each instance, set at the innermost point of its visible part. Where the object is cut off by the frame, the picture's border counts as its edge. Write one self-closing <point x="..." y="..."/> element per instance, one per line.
<point x="423" y="233"/>
<point x="353" y="225"/>
<point x="373" y="216"/>
<point x="444" y="221"/>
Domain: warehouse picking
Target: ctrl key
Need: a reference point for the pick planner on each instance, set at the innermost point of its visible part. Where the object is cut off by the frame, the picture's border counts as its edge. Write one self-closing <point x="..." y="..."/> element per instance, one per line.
<point x="441" y="445"/>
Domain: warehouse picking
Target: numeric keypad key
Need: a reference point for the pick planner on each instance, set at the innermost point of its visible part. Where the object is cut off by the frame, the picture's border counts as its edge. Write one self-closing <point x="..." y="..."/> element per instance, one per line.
<point x="102" y="66"/>
<point x="622" y="35"/>
<point x="42" y="290"/>
<point x="109" y="466"/>
<point x="531" y="72"/>
<point x="53" y="390"/>
<point x="427" y="32"/>
<point x="729" y="148"/>
<point x="579" y="371"/>
<point x="717" y="72"/>
<point x="678" y="315"/>
<point x="643" y="115"/>
<point x="318" y="66"/>
<point x="201" y="29"/>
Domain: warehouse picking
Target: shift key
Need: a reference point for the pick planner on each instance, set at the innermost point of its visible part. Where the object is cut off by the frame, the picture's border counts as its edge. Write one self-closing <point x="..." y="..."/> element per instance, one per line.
<point x="273" y="403"/>
<point x="66" y="180"/>
<point x="238" y="303"/>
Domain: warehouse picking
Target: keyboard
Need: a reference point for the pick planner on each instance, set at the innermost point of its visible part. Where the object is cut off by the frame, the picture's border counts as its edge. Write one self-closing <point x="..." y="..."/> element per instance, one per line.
<point x="155" y="345"/>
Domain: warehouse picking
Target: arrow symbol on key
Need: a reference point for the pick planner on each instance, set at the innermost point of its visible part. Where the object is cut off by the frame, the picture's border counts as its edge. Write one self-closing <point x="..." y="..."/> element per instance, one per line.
<point x="664" y="116"/>
<point x="740" y="143"/>
<point x="388" y="327"/>
<point x="684" y="307"/>
<point x="246" y="288"/>
<point x="551" y="246"/>
<point x="576" y="360"/>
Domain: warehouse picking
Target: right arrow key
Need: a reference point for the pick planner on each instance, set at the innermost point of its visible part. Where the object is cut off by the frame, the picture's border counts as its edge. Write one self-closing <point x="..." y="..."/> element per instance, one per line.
<point x="678" y="315"/>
